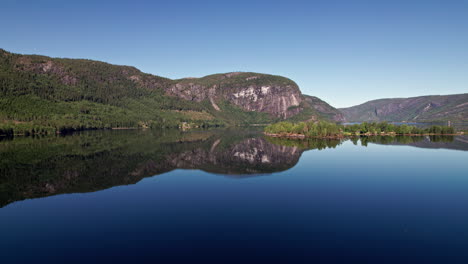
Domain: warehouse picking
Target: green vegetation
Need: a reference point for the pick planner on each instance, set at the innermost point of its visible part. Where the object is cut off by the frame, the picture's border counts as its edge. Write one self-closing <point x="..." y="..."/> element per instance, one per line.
<point x="308" y="129"/>
<point x="328" y="129"/>
<point x="42" y="95"/>
<point x="234" y="115"/>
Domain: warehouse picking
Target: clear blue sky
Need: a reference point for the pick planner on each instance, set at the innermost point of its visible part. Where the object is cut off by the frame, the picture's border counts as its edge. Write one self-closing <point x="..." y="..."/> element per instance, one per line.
<point x="345" y="52"/>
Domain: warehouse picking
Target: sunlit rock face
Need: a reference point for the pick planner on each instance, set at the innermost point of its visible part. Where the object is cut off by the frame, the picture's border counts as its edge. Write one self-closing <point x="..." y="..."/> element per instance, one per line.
<point x="275" y="95"/>
<point x="280" y="101"/>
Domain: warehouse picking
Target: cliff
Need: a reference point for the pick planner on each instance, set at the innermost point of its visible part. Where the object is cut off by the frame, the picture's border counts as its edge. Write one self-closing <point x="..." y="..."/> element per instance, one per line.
<point x="278" y="96"/>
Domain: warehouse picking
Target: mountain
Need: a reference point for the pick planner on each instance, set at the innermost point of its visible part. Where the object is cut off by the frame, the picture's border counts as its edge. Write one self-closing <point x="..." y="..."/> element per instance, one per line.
<point x="46" y="93"/>
<point x="422" y="109"/>
<point x="275" y="95"/>
<point x="324" y="110"/>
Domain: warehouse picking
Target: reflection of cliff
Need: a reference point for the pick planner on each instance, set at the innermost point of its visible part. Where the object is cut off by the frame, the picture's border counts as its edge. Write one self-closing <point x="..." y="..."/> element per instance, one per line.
<point x="94" y="161"/>
<point x="249" y="156"/>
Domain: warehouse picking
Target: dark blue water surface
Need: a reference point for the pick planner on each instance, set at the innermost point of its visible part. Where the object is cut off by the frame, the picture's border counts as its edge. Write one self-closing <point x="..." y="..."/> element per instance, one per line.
<point x="230" y="197"/>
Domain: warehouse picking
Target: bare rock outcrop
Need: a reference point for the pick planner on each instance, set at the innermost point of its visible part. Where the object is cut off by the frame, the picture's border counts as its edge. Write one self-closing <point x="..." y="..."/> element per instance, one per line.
<point x="275" y="95"/>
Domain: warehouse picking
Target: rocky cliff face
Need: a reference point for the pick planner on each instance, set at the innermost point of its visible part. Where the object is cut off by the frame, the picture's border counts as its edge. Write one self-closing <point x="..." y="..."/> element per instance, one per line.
<point x="275" y="95"/>
<point x="422" y="108"/>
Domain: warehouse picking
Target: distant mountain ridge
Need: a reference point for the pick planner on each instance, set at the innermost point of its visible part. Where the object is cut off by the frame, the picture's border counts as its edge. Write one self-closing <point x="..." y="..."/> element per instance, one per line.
<point x="422" y="109"/>
<point x="81" y="94"/>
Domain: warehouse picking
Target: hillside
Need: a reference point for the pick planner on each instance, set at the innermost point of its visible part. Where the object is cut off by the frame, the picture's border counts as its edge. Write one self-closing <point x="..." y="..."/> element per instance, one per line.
<point x="421" y="109"/>
<point x="47" y="94"/>
<point x="325" y="111"/>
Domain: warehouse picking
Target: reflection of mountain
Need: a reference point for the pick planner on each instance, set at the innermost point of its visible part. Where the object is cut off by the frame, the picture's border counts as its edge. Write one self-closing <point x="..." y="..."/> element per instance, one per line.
<point x="249" y="156"/>
<point x="96" y="160"/>
<point x="433" y="142"/>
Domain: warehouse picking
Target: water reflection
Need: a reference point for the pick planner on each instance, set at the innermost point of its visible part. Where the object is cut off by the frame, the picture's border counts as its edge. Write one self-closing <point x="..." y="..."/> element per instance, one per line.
<point x="91" y="161"/>
<point x="433" y="142"/>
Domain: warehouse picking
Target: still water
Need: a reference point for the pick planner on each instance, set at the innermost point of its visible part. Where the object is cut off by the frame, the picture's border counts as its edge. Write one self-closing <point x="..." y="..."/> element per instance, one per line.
<point x="232" y="196"/>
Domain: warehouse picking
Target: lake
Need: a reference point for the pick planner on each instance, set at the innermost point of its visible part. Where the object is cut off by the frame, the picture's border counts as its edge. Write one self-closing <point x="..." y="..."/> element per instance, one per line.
<point x="232" y="196"/>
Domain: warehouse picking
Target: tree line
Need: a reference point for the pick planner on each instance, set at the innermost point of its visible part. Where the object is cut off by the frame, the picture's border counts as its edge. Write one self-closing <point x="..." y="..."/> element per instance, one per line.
<point x="329" y="129"/>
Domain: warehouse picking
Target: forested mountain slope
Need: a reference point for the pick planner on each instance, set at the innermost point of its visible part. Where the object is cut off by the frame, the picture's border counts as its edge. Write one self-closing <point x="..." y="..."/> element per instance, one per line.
<point x="55" y="93"/>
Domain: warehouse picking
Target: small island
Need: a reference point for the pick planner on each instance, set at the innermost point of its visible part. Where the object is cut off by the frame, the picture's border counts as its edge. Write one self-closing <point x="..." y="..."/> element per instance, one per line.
<point x="324" y="129"/>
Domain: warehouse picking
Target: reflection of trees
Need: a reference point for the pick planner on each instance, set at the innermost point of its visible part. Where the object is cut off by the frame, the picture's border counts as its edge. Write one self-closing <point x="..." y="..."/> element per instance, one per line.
<point x="441" y="138"/>
<point x="404" y="139"/>
<point x="408" y="139"/>
<point x="306" y="144"/>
